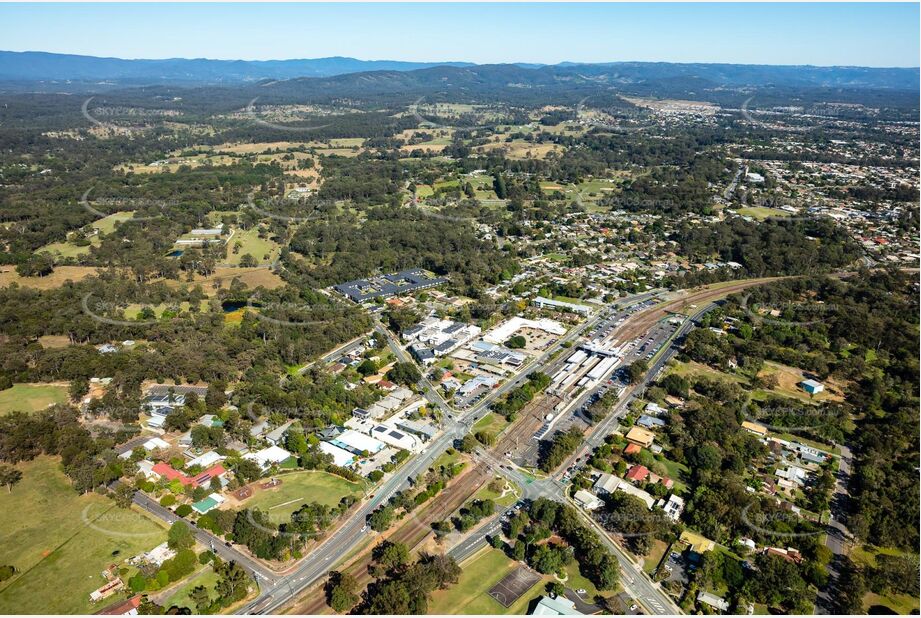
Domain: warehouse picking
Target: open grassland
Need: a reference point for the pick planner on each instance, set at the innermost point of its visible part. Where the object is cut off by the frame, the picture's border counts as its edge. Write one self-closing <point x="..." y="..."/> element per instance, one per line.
<point x="60" y="542"/>
<point x="249" y="241"/>
<point x="761" y="213"/>
<point x="789" y="378"/>
<point x="223" y="275"/>
<point x="32" y="397"/>
<point x="470" y="594"/>
<point x="491" y="423"/>
<point x="56" y="279"/>
<point x="299" y="488"/>
<point x="904" y="604"/>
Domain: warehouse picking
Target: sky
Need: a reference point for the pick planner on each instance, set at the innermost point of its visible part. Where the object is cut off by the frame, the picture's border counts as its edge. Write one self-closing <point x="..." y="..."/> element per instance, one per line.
<point x="857" y="34"/>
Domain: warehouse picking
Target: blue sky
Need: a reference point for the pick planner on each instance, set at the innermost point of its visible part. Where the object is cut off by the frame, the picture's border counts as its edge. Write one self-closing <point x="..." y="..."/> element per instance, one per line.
<point x="868" y="34"/>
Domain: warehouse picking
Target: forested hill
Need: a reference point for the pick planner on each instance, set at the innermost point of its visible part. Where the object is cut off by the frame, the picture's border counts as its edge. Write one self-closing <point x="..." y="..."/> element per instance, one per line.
<point x="34" y="67"/>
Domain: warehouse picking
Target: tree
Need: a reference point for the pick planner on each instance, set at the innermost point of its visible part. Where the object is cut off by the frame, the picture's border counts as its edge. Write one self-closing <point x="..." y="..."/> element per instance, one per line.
<point x="367" y="367"/>
<point x="123" y="495"/>
<point x="391" y="556"/>
<point x="233" y="582"/>
<point x="9" y="476"/>
<point x="180" y="536"/>
<point x="248" y="261"/>
<point x="516" y="342"/>
<point x="199" y="596"/>
<point x="340" y="591"/>
<point x="404" y="373"/>
<point x="555" y="589"/>
<point x="637" y="370"/>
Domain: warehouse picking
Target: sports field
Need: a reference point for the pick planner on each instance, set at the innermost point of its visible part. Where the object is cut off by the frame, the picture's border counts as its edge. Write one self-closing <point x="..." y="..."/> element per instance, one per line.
<point x="60" y="542"/>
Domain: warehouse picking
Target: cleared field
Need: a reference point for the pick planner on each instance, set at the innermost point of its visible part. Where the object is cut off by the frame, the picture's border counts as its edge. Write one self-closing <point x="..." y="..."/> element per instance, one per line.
<point x="56" y="279"/>
<point x="299" y="488"/>
<point x="60" y="542"/>
<point x="106" y="225"/>
<point x="32" y="397"/>
<point x="520" y="149"/>
<point x="222" y="276"/>
<point x="491" y="423"/>
<point x="263" y="249"/>
<point x="470" y="595"/>
<point x="761" y="213"/>
<point x="789" y="378"/>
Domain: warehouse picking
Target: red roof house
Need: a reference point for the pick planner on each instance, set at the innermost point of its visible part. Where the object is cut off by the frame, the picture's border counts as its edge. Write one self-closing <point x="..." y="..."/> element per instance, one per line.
<point x="637" y="473"/>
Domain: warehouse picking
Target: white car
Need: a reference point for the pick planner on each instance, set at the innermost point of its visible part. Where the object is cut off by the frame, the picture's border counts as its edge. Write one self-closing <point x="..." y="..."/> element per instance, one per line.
<point x="580" y="591"/>
<point x="364" y="528"/>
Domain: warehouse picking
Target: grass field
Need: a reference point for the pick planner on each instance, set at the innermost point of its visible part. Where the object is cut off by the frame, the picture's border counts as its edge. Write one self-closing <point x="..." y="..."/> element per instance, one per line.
<point x="263" y="249"/>
<point x="299" y="488"/>
<point x="32" y="397"/>
<point x="865" y="556"/>
<point x="223" y="275"/>
<point x="180" y="598"/>
<point x="56" y="279"/>
<point x="491" y="423"/>
<point x="469" y="594"/>
<point x="789" y="378"/>
<point x="60" y="542"/>
<point x="761" y="213"/>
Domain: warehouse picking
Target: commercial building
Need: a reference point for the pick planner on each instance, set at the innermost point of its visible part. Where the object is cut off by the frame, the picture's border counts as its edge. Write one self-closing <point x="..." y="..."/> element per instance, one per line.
<point x="394" y="437"/>
<point x="587" y="500"/>
<point x="385" y="286"/>
<point x="341" y="457"/>
<point x="541" y="302"/>
<point x="357" y="442"/>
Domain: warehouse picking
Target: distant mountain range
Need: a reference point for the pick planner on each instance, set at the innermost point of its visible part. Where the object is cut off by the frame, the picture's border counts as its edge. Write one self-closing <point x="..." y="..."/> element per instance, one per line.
<point x="66" y="72"/>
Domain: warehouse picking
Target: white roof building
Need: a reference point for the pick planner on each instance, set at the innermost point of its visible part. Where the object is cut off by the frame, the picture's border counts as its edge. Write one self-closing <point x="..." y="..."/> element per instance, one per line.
<point x="357" y="442"/>
<point x="587" y="500"/>
<point x="205" y="460"/>
<point x="504" y="331"/>
<point x="395" y="437"/>
<point x="341" y="457"/>
<point x="268" y="456"/>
